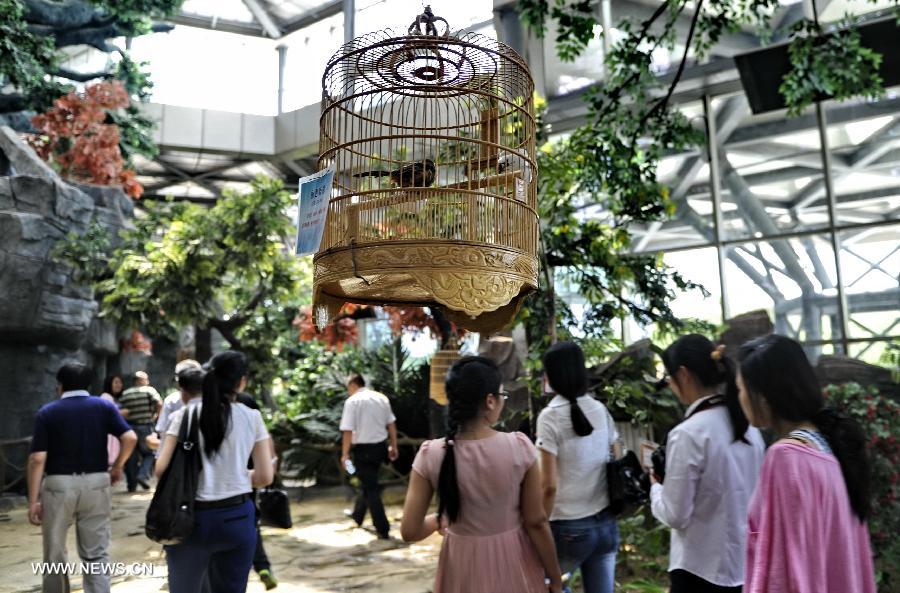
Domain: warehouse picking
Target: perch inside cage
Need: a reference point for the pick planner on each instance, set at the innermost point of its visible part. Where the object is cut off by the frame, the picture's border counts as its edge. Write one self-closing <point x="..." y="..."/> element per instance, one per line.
<point x="432" y="138"/>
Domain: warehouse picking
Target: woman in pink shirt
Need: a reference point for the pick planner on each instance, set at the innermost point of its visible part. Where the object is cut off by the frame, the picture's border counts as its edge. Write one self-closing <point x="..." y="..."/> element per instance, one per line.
<point x="807" y="517"/>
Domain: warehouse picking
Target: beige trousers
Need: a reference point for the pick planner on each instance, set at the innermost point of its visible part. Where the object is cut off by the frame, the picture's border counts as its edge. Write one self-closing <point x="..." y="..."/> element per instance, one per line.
<point x="84" y="499"/>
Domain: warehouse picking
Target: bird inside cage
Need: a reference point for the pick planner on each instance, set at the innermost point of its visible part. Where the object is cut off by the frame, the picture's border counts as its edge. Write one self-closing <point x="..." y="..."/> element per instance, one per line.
<point x="419" y="174"/>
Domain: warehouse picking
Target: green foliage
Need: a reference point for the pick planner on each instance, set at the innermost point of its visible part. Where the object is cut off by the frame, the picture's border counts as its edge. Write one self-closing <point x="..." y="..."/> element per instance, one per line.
<point x="226" y="267"/>
<point x="313" y="392"/>
<point x="627" y="388"/>
<point x="136" y="16"/>
<point x="135" y="128"/>
<point x="891" y="358"/>
<point x="834" y="65"/>
<point x="26" y="58"/>
<point x="87" y="253"/>
<point x="880" y="419"/>
<point x="642" y="560"/>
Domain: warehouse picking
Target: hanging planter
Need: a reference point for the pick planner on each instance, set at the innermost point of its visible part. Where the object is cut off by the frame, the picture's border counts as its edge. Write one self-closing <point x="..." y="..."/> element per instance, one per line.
<point x="432" y="138"/>
<point x="763" y="72"/>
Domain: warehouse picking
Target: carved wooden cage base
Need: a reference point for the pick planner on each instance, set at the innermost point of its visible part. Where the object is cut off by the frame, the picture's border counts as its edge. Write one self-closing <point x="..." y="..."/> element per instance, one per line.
<point x="479" y="287"/>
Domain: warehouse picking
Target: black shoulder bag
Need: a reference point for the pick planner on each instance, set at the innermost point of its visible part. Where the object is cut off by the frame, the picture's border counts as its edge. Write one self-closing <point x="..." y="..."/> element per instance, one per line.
<point x="275" y="508"/>
<point x="170" y="517"/>
<point x="628" y="484"/>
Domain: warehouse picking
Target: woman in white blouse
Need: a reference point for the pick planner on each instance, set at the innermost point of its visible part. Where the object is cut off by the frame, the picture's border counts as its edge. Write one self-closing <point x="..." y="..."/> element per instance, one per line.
<point x="713" y="459"/>
<point x="224" y="539"/>
<point x="575" y="435"/>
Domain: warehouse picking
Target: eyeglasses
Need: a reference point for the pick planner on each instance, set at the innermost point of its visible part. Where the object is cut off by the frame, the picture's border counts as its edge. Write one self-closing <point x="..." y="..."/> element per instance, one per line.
<point x="501" y="394"/>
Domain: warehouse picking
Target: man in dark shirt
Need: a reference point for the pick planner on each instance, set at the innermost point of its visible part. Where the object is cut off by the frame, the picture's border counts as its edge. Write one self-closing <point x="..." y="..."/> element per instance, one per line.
<point x="69" y="476"/>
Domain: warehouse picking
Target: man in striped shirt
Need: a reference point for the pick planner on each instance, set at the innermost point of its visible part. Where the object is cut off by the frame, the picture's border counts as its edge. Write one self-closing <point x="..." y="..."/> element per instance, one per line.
<point x="140" y="405"/>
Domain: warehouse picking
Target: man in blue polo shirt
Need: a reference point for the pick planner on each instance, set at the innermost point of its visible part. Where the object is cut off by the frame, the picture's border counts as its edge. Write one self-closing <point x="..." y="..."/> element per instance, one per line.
<point x="69" y="476"/>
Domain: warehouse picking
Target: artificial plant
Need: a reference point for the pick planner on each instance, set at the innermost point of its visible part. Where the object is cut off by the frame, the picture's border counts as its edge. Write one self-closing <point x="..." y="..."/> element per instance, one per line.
<point x="75" y="138"/>
<point x="226" y="268"/>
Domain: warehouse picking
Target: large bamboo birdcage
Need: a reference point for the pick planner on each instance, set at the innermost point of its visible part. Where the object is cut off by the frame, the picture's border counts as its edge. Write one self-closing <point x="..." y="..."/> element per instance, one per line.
<point x="432" y="138"/>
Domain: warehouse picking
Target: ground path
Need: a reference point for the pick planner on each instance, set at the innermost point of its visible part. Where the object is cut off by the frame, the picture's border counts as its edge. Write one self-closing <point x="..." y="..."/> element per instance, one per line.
<point x="323" y="553"/>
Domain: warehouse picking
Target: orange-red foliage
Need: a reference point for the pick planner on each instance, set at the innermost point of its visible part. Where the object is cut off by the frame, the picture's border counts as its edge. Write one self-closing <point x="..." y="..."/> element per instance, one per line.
<point x="137" y="342"/>
<point x="336" y="335"/>
<point x="74" y="138"/>
<point x="343" y="331"/>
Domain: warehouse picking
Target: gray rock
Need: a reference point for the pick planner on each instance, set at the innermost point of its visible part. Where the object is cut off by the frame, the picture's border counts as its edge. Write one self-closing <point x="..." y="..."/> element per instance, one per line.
<point x="745" y="327"/>
<point x="6" y="196"/>
<point x="835" y="370"/>
<point x="47" y="317"/>
<point x="22" y="159"/>
<point x="101" y="338"/>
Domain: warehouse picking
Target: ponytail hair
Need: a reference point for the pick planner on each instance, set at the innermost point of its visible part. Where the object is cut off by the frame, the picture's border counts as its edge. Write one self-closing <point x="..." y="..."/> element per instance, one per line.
<point x="711" y="367"/>
<point x="224" y="372"/>
<point x="564" y="368"/>
<point x="775" y="368"/>
<point x="469" y="381"/>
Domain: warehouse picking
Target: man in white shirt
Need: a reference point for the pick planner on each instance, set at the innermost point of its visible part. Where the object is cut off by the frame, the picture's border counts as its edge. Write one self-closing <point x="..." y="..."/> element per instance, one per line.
<point x="366" y="423"/>
<point x="189" y="379"/>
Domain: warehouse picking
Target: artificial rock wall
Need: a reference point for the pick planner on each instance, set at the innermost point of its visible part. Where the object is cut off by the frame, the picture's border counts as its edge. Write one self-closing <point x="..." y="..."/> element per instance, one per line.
<point x="45" y="317"/>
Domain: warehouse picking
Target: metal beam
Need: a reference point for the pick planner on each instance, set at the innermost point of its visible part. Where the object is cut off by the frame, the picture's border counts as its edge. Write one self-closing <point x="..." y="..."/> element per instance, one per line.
<point x="862" y="302"/>
<point x="263" y="17"/>
<point x="349" y="9"/>
<point x="314" y="16"/>
<point x="870" y="152"/>
<point x="186" y="177"/>
<point x="216" y="24"/>
<point x="755" y="214"/>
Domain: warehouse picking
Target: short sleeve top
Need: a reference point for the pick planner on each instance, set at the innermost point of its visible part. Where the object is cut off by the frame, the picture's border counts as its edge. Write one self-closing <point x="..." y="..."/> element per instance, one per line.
<point x="225" y="473"/>
<point x="367" y="414"/>
<point x="489" y="473"/>
<point x="581" y="460"/>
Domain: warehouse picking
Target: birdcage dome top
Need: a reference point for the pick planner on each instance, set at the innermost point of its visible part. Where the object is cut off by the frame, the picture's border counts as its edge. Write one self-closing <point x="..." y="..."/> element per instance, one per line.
<point x="420" y="65"/>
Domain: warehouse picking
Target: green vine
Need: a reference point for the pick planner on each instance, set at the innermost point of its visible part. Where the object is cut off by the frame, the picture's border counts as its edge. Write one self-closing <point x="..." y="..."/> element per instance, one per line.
<point x="829" y="65"/>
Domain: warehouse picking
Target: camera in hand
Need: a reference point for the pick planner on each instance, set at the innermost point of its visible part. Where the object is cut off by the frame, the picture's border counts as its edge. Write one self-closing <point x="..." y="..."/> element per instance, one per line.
<point x="658" y="458"/>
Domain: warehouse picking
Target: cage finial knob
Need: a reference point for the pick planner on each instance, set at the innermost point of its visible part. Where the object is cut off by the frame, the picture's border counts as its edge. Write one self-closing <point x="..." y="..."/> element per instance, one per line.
<point x="430" y="21"/>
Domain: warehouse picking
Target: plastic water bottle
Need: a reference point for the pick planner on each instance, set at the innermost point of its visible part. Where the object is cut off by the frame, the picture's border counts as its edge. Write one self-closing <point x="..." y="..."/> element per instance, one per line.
<point x="351" y="469"/>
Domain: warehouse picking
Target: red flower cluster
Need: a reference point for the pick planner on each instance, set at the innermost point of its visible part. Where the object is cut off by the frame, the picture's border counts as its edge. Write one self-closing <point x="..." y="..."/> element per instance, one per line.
<point x="76" y="140"/>
<point x="336" y="335"/>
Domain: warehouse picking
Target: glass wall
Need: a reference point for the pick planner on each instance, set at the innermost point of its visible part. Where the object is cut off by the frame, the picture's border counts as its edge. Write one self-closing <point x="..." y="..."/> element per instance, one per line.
<point x="823" y="260"/>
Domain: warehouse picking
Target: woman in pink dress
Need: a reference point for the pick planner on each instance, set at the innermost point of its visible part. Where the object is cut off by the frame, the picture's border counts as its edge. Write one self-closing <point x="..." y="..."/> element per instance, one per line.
<point x="807" y="517"/>
<point x="113" y="387"/>
<point x="496" y="535"/>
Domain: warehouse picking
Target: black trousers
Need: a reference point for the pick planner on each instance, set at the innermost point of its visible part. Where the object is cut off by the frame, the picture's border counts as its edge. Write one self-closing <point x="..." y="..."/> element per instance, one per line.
<point x="368" y="459"/>
<point x="260" y="559"/>
<point x="684" y="582"/>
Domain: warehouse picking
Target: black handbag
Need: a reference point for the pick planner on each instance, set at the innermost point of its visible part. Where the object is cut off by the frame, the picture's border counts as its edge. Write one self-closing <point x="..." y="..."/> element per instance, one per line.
<point x="628" y="483"/>
<point x="275" y="508"/>
<point x="170" y="516"/>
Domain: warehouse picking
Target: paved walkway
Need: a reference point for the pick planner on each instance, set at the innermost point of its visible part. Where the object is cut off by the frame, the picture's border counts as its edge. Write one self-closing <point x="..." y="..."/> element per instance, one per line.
<point x="323" y="553"/>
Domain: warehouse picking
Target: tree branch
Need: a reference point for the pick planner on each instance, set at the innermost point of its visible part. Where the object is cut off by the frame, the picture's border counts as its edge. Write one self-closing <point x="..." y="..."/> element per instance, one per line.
<point x="10" y="103"/>
<point x="617" y="92"/>
<point x="687" y="47"/>
<point x="80" y="76"/>
<point x="236" y="321"/>
<point x="61" y="14"/>
<point x="226" y="329"/>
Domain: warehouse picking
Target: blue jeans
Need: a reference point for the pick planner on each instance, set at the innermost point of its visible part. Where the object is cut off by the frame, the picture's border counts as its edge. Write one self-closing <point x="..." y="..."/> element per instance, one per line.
<point x="590" y="544"/>
<point x="222" y="545"/>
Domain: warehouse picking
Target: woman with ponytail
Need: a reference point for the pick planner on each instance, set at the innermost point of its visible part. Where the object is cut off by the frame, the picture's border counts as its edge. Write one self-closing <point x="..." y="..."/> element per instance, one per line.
<point x="223" y="541"/>
<point x="713" y="460"/>
<point x="576" y="437"/>
<point x="496" y="535"/>
<point x="808" y="515"/>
